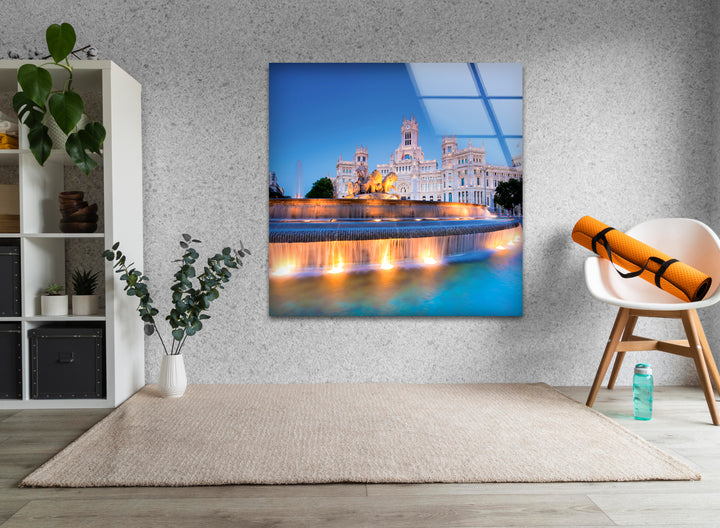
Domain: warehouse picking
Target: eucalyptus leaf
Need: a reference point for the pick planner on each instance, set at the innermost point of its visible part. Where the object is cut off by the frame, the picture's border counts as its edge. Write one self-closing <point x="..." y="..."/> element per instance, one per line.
<point x="35" y="82"/>
<point x="60" y="40"/>
<point x="67" y="109"/>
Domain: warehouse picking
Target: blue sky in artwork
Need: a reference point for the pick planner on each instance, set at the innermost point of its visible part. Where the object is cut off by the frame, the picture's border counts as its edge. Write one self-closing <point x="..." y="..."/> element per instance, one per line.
<point x="501" y="78"/>
<point x="319" y="112"/>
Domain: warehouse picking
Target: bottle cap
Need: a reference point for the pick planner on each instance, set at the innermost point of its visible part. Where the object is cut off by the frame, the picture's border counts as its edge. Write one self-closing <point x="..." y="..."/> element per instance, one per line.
<point x="643" y="368"/>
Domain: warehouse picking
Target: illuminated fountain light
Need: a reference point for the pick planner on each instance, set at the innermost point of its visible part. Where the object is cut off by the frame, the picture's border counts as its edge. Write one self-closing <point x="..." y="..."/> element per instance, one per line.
<point x="300" y="209"/>
<point x="385" y="262"/>
<point x="312" y="255"/>
<point x="338" y="268"/>
<point x="347" y="236"/>
<point x="283" y="271"/>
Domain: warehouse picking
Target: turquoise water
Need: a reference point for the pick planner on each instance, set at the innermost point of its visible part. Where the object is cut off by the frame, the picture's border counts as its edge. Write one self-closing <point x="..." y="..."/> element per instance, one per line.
<point x="489" y="287"/>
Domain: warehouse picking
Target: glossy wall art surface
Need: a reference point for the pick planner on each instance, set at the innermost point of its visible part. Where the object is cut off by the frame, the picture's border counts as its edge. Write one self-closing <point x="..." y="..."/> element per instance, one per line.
<point x="396" y="189"/>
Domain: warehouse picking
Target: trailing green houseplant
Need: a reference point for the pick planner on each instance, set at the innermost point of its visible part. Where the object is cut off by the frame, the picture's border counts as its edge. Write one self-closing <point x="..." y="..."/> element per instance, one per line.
<point x="37" y="101"/>
<point x="191" y="293"/>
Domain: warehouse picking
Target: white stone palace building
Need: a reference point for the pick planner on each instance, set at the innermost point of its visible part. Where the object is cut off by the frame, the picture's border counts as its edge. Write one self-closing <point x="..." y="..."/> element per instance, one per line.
<point x="463" y="175"/>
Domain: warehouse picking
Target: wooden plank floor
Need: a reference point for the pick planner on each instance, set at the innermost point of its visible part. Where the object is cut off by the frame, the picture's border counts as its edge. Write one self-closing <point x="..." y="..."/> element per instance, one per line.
<point x="681" y="426"/>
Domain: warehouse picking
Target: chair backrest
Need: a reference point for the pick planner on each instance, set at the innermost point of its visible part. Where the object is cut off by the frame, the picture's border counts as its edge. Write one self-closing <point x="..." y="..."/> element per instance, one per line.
<point x="687" y="240"/>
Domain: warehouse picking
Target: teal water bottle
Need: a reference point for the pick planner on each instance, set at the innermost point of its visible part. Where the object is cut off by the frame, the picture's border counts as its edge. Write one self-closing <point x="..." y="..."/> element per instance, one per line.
<point x="643" y="391"/>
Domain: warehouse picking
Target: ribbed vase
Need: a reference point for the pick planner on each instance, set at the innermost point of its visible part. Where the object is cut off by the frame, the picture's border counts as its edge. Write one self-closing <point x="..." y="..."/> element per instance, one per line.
<point x="173" y="380"/>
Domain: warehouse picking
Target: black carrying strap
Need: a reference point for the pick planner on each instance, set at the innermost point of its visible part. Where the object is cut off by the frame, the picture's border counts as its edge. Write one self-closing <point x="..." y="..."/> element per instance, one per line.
<point x="602" y="240"/>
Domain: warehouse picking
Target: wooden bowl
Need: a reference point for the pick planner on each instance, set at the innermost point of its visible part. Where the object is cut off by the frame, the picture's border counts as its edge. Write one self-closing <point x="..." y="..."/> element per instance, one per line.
<point x="78" y="227"/>
<point x="66" y="210"/>
<point x="79" y="215"/>
<point x="71" y="195"/>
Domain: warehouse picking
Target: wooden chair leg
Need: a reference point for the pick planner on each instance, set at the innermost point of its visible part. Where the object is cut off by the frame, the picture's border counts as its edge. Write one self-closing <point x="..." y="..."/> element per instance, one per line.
<point x="709" y="359"/>
<point x="617" y="330"/>
<point x="700" y="364"/>
<point x="629" y="329"/>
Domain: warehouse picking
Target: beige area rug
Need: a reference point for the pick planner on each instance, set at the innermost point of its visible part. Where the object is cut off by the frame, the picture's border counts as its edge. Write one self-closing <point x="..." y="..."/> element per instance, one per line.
<point x="373" y="432"/>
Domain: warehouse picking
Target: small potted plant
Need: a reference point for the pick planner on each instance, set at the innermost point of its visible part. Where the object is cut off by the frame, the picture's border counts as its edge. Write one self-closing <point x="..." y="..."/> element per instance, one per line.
<point x="54" y="302"/>
<point x="84" y="300"/>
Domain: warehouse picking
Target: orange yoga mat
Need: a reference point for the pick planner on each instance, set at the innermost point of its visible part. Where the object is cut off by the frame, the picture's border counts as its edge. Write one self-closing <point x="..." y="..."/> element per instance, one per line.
<point x="641" y="260"/>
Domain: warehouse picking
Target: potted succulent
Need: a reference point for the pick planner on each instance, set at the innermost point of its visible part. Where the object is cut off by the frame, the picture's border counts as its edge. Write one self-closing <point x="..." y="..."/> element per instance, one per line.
<point x="84" y="300"/>
<point x="37" y="105"/>
<point x="54" y="302"/>
<point x="192" y="294"/>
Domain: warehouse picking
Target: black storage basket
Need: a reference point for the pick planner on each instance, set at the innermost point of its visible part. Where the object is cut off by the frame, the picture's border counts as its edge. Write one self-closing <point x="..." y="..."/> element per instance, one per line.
<point x="67" y="361"/>
<point x="10" y="361"/>
<point x="9" y="279"/>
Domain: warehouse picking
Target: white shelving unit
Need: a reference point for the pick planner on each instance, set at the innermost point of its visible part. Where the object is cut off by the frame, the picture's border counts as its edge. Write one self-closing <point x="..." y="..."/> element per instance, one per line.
<point x="43" y="248"/>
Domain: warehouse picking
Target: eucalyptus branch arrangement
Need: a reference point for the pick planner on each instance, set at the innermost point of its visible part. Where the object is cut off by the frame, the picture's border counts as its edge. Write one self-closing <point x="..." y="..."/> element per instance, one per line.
<point x="37" y="98"/>
<point x="191" y="293"/>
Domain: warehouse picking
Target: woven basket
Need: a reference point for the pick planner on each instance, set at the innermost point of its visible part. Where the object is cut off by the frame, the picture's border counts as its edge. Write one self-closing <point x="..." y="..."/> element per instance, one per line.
<point x="58" y="136"/>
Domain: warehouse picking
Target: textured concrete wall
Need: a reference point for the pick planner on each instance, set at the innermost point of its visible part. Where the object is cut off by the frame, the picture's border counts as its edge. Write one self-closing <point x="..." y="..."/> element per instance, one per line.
<point x="618" y="124"/>
<point x="712" y="320"/>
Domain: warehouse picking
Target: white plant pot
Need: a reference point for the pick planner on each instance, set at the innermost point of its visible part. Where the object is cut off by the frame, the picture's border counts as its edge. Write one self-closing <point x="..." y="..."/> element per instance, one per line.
<point x="84" y="304"/>
<point x="173" y="380"/>
<point x="58" y="136"/>
<point x="54" y="305"/>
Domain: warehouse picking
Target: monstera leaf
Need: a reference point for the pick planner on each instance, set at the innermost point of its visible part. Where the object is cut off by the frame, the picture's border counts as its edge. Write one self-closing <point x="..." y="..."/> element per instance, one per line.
<point x="80" y="144"/>
<point x="67" y="109"/>
<point x="27" y="110"/>
<point x="92" y="137"/>
<point x="40" y="143"/>
<point x="60" y="40"/>
<point x="35" y="82"/>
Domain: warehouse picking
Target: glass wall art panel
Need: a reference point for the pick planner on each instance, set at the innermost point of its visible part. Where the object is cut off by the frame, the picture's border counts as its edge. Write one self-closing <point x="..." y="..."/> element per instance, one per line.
<point x="396" y="189"/>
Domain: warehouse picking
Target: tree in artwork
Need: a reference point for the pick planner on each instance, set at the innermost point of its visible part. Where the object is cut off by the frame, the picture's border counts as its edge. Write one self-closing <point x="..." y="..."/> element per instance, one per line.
<point x="322" y="188"/>
<point x="509" y="194"/>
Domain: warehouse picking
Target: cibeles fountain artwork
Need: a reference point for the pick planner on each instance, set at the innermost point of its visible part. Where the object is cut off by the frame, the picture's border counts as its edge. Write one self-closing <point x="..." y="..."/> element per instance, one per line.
<point x="372" y="251"/>
<point x="374" y="231"/>
<point x="372" y="186"/>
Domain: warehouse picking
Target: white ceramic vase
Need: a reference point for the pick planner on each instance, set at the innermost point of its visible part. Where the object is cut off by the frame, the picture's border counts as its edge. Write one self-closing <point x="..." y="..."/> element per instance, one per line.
<point x="173" y="380"/>
<point x="84" y="304"/>
<point x="54" y="305"/>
